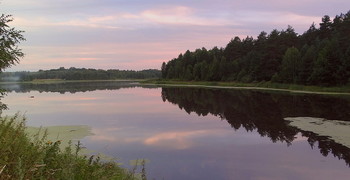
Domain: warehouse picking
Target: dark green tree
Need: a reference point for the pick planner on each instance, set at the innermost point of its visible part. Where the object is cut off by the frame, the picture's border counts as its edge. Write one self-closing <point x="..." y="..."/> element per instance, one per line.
<point x="163" y="69"/>
<point x="320" y="70"/>
<point x="214" y="70"/>
<point x="10" y="53"/>
<point x="197" y="72"/>
<point x="224" y="68"/>
<point x="325" y="27"/>
<point x="307" y="60"/>
<point x="189" y="73"/>
<point x="234" y="49"/>
<point x="204" y="71"/>
<point x="290" y="65"/>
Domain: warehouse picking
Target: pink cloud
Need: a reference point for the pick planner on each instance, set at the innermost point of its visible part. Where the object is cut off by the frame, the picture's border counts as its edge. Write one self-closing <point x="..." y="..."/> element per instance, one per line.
<point x="144" y="36"/>
<point x="180" y="15"/>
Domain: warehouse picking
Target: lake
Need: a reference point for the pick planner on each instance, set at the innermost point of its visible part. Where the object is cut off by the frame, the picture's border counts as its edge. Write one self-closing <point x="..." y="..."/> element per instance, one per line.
<point x="191" y="132"/>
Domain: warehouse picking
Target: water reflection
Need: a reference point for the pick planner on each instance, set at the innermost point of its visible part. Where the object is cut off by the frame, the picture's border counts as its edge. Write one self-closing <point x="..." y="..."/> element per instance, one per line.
<point x="70" y="87"/>
<point x="264" y="112"/>
<point x="130" y="121"/>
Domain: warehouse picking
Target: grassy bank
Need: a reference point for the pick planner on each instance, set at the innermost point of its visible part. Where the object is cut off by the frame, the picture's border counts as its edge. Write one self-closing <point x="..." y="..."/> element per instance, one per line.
<point x="25" y="157"/>
<point x="260" y="85"/>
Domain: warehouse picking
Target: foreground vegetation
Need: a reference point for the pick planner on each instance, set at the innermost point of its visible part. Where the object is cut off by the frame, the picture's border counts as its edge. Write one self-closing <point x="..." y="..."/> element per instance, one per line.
<point x="25" y="157"/>
<point x="262" y="85"/>
<point x="320" y="56"/>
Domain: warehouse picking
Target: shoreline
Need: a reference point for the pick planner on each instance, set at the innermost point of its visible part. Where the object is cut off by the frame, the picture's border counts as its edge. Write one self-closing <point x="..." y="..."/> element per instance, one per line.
<point x="247" y="87"/>
<point x="227" y="85"/>
<point x="256" y="88"/>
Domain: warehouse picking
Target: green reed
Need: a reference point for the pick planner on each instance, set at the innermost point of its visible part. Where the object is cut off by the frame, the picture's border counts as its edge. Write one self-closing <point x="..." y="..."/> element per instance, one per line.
<point x="24" y="157"/>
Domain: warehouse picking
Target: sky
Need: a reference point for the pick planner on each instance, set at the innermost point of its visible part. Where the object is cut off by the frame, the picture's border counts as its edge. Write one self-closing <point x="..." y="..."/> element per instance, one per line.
<point x="140" y="34"/>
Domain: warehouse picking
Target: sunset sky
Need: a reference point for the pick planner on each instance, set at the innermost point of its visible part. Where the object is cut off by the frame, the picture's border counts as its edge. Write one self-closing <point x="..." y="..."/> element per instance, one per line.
<point x="140" y="34"/>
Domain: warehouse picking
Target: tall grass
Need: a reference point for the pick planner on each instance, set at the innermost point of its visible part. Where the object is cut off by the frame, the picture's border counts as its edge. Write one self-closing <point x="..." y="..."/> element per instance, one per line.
<point x="23" y="157"/>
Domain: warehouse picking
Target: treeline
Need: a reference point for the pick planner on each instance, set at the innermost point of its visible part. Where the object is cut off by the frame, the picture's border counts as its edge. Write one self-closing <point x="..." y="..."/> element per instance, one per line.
<point x="320" y="56"/>
<point x="80" y="74"/>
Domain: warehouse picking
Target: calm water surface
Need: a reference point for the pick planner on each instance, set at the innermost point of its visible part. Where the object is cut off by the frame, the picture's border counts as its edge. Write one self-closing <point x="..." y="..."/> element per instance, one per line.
<point x="194" y="133"/>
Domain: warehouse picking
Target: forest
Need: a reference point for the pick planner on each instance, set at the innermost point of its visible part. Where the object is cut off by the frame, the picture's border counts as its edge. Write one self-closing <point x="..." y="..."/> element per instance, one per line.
<point x="80" y="74"/>
<point x="320" y="56"/>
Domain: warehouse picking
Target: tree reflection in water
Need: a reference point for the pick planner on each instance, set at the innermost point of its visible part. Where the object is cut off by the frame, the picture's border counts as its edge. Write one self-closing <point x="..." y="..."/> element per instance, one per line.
<point x="248" y="109"/>
<point x="264" y="112"/>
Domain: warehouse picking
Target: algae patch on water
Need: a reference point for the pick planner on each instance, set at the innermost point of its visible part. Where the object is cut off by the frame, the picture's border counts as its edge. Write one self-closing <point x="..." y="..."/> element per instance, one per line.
<point x="336" y="130"/>
<point x="60" y="133"/>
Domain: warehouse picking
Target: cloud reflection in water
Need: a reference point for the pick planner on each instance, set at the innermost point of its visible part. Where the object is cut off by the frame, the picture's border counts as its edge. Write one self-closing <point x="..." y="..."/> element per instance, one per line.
<point x="131" y="123"/>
